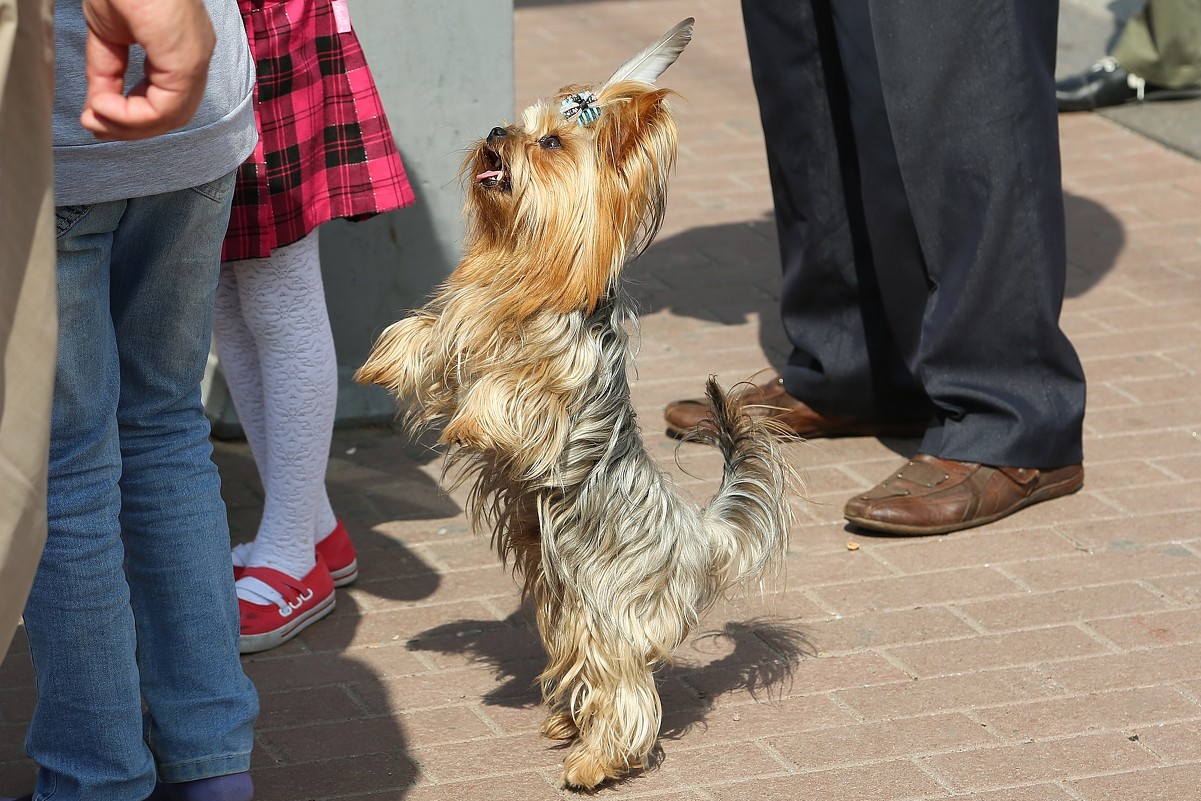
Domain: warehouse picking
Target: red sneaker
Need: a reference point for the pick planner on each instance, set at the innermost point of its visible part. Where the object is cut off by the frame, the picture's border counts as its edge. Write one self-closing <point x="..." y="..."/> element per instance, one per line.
<point x="338" y="552"/>
<point x="304" y="601"/>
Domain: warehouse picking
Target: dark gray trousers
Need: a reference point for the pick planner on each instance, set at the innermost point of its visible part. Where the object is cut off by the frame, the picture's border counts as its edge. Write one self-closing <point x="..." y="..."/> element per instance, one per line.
<point x="914" y="157"/>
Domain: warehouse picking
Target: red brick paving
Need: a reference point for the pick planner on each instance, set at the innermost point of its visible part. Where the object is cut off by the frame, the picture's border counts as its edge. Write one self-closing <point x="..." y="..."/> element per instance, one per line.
<point x="1053" y="656"/>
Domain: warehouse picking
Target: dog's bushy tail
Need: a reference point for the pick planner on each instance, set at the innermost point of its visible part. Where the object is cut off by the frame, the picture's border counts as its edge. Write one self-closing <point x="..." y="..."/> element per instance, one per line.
<point x="749" y="518"/>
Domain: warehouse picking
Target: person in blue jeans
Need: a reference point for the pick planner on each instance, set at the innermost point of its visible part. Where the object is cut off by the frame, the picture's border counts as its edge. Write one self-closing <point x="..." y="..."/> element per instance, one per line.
<point x="132" y="619"/>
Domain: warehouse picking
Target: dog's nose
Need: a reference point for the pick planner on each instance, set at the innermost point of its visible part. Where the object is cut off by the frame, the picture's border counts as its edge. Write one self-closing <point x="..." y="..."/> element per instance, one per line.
<point x="497" y="133"/>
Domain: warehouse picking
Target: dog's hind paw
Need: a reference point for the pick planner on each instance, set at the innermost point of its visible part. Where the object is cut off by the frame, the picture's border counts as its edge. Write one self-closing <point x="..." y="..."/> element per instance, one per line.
<point x="584" y="770"/>
<point x="559" y="726"/>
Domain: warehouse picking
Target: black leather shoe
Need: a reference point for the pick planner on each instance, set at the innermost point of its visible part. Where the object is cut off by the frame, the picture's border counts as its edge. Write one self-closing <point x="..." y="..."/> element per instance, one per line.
<point x="1106" y="84"/>
<point x="1103" y="84"/>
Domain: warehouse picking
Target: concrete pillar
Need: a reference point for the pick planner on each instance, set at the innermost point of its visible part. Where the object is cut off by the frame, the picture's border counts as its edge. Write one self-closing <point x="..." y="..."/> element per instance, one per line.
<point x="445" y="74"/>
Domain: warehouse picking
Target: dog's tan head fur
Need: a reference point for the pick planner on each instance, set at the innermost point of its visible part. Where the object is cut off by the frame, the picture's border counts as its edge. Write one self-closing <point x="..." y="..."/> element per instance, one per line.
<point x="558" y="203"/>
<point x="555" y="207"/>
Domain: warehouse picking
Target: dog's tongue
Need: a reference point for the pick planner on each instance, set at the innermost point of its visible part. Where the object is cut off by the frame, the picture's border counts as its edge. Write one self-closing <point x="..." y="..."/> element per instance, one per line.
<point x="484" y="176"/>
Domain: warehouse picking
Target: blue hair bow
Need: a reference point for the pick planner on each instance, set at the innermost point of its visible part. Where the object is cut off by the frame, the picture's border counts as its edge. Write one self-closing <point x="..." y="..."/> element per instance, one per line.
<point x="584" y="108"/>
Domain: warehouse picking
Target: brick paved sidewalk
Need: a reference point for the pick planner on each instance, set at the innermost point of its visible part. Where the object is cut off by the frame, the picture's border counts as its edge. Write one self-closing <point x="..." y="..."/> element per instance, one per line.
<point x="1055" y="655"/>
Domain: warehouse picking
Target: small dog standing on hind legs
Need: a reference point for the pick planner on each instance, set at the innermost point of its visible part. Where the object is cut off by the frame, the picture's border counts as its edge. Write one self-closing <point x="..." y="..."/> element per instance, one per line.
<point x="522" y="355"/>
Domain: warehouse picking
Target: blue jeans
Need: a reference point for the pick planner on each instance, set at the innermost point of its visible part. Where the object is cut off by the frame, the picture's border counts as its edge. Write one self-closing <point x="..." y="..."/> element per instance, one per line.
<point x="134" y="598"/>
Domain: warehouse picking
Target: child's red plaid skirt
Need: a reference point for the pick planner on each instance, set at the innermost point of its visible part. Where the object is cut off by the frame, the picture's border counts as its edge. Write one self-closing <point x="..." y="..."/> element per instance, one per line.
<point x="325" y="149"/>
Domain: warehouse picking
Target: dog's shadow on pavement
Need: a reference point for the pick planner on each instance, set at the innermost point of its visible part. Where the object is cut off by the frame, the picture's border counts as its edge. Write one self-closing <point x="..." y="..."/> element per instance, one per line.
<point x="755" y="657"/>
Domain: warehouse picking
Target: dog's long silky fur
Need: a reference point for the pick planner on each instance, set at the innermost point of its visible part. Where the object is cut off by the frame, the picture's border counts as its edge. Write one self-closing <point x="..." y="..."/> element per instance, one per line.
<point x="522" y="356"/>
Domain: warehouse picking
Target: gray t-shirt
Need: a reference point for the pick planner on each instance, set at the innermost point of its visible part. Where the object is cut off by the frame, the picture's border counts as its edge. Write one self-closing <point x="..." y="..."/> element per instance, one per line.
<point x="218" y="138"/>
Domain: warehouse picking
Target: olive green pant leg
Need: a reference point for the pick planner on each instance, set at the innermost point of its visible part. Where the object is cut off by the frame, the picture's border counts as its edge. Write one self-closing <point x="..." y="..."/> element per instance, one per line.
<point x="1162" y="44"/>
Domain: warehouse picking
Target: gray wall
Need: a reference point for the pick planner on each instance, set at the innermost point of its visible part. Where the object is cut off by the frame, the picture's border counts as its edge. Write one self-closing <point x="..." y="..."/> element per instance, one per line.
<point x="445" y="72"/>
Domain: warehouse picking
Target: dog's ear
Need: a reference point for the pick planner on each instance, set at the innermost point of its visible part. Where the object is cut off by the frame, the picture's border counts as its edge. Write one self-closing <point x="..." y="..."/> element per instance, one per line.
<point x="636" y="122"/>
<point x="635" y="140"/>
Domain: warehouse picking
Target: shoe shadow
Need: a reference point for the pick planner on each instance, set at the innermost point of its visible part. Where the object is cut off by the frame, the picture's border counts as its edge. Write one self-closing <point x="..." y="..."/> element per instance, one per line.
<point x="756" y="657"/>
<point x="1095" y="237"/>
<point x="324" y="695"/>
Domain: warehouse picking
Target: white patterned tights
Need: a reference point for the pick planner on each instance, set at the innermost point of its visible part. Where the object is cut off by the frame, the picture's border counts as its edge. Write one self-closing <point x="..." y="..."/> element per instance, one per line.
<point x="273" y="338"/>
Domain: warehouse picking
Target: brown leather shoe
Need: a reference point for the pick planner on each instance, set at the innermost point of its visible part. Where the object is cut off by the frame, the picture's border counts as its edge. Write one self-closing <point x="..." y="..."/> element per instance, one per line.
<point x="935" y="496"/>
<point x="771" y="400"/>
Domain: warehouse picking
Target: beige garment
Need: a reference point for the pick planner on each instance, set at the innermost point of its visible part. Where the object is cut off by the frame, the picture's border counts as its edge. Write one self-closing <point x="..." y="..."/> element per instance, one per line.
<point x="1162" y="44"/>
<point x="28" y="312"/>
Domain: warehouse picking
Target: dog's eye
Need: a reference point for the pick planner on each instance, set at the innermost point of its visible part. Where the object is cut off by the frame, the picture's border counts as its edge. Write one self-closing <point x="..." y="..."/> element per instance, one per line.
<point x="550" y="142"/>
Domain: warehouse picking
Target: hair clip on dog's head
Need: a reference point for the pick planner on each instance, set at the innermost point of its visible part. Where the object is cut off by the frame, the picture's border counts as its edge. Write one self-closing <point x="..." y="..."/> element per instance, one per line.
<point x="582" y="107"/>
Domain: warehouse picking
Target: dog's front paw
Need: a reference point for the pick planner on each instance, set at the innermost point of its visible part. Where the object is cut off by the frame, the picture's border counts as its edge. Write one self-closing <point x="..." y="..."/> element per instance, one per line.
<point x="402" y="359"/>
<point x="465" y="431"/>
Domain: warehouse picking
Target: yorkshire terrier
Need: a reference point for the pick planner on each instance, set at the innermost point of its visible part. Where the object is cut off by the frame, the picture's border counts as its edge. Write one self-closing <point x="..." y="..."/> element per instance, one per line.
<point x="522" y="354"/>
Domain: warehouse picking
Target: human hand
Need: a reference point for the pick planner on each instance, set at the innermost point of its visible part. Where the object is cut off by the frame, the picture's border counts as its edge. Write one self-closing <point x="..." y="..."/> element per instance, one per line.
<point x="178" y="38"/>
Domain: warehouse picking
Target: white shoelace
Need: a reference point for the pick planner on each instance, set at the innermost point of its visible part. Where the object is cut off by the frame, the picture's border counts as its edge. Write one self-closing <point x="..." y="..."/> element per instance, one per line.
<point x="1110" y="64"/>
<point x="1137" y="84"/>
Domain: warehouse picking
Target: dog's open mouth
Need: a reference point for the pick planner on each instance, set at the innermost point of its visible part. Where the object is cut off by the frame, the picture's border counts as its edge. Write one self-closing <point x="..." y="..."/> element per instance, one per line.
<point x="495" y="176"/>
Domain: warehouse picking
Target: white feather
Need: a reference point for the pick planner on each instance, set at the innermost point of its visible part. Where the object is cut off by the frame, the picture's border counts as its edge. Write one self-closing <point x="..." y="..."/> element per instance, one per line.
<point x="648" y="65"/>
